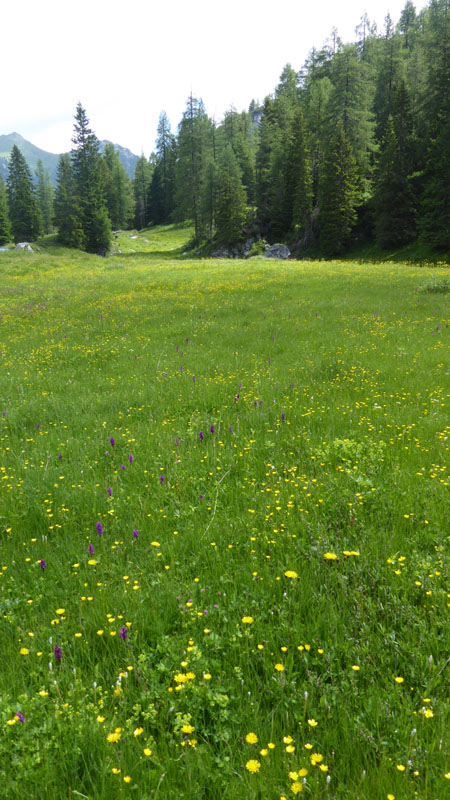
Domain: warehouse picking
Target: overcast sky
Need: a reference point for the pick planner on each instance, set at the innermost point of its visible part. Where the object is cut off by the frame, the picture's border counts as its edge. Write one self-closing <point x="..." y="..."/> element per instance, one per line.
<point x="125" y="61"/>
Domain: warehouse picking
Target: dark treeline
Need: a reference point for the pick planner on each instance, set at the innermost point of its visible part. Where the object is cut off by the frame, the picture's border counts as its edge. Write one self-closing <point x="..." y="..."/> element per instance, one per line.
<point x="354" y="147"/>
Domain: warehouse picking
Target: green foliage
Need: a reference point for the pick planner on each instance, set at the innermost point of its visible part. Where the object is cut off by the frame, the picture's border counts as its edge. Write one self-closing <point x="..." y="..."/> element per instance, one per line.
<point x="24" y="212"/>
<point x="339" y="194"/>
<point x="231" y="204"/>
<point x="5" y="227"/>
<point x="194" y="145"/>
<point x="67" y="207"/>
<point x="90" y="190"/>
<point x="117" y="189"/>
<point x="45" y="196"/>
<point x="141" y="183"/>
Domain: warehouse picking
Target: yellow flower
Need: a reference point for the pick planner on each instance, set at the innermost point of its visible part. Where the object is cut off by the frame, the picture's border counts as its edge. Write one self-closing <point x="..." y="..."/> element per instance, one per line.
<point x="293" y="776"/>
<point x="113" y="737"/>
<point x="207" y="676"/>
<point x="428" y="713"/>
<point x="251" y="738"/>
<point x="316" y="758"/>
<point x="115" y="771"/>
<point x="247" y="620"/>
<point x="323" y="767"/>
<point x="24" y="651"/>
<point x="296" y="787"/>
<point x="279" y="667"/>
<point x="398" y="679"/>
<point x="390" y="796"/>
<point x="60" y="611"/>
<point x="287" y="739"/>
<point x="356" y="667"/>
<point x="271" y="746"/>
<point x="147" y="751"/>
<point x="253" y="765"/>
<point x="187" y="728"/>
<point x="92" y="562"/>
<point x="290" y="573"/>
<point x="290" y="748"/>
<point x="312" y="723"/>
<point x="100" y="718"/>
<point x="12" y="721"/>
<point x="138" y="731"/>
<point x="127" y="779"/>
<point x="302" y="772"/>
<point x="264" y="752"/>
<point x="401" y="767"/>
<point x="330" y="556"/>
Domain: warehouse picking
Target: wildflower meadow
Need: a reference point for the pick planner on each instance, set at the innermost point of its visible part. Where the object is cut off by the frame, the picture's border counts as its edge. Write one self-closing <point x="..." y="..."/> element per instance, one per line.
<point x="224" y="526"/>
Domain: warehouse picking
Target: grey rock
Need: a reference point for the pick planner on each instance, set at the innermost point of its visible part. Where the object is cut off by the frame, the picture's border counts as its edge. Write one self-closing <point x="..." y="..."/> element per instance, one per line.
<point x="277" y="251"/>
<point x="24" y="246"/>
<point x="222" y="252"/>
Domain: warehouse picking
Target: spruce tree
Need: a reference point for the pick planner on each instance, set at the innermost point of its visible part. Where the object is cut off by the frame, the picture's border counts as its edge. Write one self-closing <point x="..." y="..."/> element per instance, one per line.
<point x="5" y="227"/>
<point x="24" y="213"/>
<point x="87" y="171"/>
<point x="339" y="194"/>
<point x="117" y="189"/>
<point x="231" y="211"/>
<point x="45" y="196"/>
<point x="67" y="208"/>
<point x="298" y="178"/>
<point x="141" y="181"/>
<point x="435" y="222"/>
<point x="394" y="197"/>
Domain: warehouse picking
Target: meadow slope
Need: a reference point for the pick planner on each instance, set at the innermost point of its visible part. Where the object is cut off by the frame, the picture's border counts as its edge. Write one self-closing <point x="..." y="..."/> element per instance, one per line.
<point x="224" y="539"/>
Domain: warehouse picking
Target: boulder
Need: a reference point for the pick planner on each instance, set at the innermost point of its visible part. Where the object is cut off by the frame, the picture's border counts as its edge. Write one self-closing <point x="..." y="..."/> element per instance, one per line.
<point x="24" y="246"/>
<point x="277" y="251"/>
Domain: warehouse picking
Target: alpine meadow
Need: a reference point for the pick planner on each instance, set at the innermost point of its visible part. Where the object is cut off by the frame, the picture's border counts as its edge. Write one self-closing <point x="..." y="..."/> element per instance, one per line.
<point x="224" y="476"/>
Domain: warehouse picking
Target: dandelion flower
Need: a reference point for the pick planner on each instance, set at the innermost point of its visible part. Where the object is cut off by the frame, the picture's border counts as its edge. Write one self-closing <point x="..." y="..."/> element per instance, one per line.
<point x="253" y="765"/>
<point x="330" y="556"/>
<point x="247" y="620"/>
<point x="296" y="787"/>
<point x="251" y="738"/>
<point x="290" y="573"/>
<point x="399" y="679"/>
<point x="24" y="651"/>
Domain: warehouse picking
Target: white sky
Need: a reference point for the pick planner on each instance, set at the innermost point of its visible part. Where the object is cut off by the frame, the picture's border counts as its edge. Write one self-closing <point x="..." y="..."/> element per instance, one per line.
<point x="125" y="61"/>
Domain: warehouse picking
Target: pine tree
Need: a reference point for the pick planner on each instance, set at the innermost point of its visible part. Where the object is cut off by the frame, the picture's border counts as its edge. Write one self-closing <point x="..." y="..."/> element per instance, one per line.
<point x="67" y="207"/>
<point x="339" y="194"/>
<point x="24" y="213"/>
<point x="45" y="196"/>
<point x="87" y="171"/>
<point x="231" y="211"/>
<point x="5" y="227"/>
<point x="164" y="195"/>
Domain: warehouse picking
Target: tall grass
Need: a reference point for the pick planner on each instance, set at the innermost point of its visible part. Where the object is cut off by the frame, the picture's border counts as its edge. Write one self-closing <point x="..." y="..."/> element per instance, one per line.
<point x="223" y="527"/>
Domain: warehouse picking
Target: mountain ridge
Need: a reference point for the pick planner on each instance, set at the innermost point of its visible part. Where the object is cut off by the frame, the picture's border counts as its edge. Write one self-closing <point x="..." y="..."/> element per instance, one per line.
<point x="32" y="154"/>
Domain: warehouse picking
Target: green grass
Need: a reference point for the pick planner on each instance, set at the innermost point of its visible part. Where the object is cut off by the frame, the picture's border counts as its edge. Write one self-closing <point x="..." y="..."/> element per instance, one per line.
<point x="289" y="578"/>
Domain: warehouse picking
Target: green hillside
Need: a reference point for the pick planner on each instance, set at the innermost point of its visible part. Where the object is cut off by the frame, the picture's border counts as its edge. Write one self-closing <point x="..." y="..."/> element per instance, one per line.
<point x="50" y="160"/>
